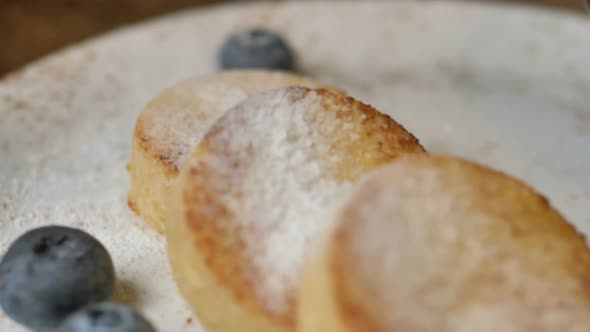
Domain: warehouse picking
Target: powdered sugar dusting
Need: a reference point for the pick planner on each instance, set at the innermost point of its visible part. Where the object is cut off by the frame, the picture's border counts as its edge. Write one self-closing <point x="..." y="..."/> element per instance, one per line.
<point x="282" y="189"/>
<point x="177" y="120"/>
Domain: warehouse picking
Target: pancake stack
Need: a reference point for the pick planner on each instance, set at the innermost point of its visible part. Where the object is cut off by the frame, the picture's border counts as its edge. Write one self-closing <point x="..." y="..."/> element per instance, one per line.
<point x="290" y="206"/>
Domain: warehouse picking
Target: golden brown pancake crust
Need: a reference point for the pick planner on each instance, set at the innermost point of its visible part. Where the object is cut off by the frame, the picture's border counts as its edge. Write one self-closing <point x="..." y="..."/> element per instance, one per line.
<point x="357" y="138"/>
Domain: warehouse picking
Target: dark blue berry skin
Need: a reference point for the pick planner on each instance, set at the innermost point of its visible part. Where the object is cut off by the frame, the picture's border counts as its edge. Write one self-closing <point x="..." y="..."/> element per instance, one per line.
<point x="106" y="317"/>
<point x="52" y="271"/>
<point x="256" y="49"/>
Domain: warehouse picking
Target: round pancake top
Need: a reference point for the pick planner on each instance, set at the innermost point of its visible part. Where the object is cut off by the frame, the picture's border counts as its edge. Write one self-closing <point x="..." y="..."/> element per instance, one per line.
<point x="174" y="122"/>
<point x="263" y="180"/>
<point x="441" y="244"/>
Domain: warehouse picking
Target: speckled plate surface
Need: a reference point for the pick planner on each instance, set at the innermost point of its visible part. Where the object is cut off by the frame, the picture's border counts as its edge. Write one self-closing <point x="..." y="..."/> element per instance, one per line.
<point x="505" y="86"/>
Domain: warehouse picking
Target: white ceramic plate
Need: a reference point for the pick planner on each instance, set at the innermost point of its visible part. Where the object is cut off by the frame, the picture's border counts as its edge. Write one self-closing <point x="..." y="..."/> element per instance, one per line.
<point x="509" y="87"/>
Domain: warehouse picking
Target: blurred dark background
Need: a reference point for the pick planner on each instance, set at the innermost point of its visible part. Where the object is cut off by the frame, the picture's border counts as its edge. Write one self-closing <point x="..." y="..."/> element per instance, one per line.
<point x="30" y="29"/>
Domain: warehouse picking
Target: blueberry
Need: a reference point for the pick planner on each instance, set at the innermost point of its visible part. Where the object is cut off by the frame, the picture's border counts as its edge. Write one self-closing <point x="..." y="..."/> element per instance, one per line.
<point x="106" y="317"/>
<point x="52" y="271"/>
<point x="256" y="48"/>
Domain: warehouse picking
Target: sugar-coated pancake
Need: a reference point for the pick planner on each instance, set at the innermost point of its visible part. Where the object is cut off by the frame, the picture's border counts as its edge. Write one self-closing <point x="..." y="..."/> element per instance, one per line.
<point x="174" y="122"/>
<point x="255" y="192"/>
<point x="438" y="244"/>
